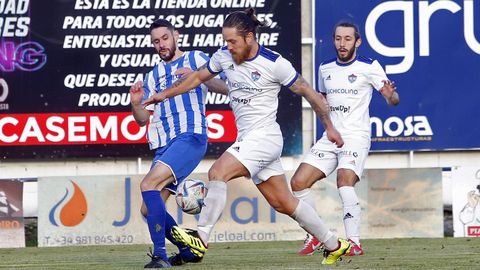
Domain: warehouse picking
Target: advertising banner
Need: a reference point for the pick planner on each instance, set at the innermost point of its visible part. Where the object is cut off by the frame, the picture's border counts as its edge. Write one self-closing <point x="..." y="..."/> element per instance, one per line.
<point x="12" y="230"/>
<point x="104" y="210"/>
<point x="66" y="67"/>
<point x="431" y="49"/>
<point x="395" y="203"/>
<point x="465" y="201"/>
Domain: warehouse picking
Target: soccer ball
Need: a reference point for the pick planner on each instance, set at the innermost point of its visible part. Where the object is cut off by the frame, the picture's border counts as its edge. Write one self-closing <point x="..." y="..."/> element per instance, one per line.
<point x="190" y="195"/>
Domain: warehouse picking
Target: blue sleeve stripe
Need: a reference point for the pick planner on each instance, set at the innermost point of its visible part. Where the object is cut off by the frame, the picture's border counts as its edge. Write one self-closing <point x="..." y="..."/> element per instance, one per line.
<point x="210" y="70"/>
<point x="268" y="54"/>
<point x="187" y="103"/>
<point x="204" y="56"/>
<point x="172" y="102"/>
<point x="293" y="80"/>
<point x="146" y="89"/>
<point x="163" y="118"/>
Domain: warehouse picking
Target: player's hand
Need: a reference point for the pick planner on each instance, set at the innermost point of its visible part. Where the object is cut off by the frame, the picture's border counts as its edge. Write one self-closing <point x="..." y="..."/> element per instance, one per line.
<point x="388" y="88"/>
<point x="334" y="136"/>
<point x="157" y="98"/>
<point x="183" y="71"/>
<point x="473" y="199"/>
<point x="136" y="93"/>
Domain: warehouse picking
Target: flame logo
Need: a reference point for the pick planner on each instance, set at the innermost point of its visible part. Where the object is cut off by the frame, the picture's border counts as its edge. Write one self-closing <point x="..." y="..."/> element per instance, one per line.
<point x="74" y="211"/>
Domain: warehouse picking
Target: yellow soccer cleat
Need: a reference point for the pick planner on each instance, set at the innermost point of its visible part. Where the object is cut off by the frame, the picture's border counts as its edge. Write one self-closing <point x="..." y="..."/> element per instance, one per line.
<point x="189" y="238"/>
<point x="331" y="257"/>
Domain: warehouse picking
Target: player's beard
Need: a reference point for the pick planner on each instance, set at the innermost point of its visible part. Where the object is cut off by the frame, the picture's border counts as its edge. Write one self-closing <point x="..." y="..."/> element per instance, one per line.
<point x="168" y="53"/>
<point x="348" y="57"/>
<point x="240" y="57"/>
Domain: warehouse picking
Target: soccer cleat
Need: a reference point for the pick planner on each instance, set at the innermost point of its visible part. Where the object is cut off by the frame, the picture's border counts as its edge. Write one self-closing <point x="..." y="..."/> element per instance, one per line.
<point x="189" y="238"/>
<point x="156" y="262"/>
<point x="331" y="257"/>
<point x="310" y="245"/>
<point x="355" y="250"/>
<point x="177" y="259"/>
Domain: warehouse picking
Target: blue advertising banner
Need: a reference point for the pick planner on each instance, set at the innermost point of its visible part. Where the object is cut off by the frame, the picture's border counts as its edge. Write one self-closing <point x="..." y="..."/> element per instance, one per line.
<point x="431" y="49"/>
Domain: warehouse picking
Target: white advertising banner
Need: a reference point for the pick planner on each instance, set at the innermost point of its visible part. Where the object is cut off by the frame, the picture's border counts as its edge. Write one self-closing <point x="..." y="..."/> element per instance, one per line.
<point x="465" y="201"/>
<point x="104" y="210"/>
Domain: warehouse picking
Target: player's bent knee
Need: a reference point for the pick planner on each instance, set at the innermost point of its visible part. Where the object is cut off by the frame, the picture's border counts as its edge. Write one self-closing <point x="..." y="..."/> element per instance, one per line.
<point x="297" y="184"/>
<point x="149" y="184"/>
<point x="215" y="174"/>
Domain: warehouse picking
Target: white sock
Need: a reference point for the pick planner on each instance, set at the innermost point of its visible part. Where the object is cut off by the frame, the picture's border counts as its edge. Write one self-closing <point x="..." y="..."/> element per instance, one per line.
<point x="308" y="219"/>
<point x="214" y="203"/>
<point x="307" y="196"/>
<point x="351" y="213"/>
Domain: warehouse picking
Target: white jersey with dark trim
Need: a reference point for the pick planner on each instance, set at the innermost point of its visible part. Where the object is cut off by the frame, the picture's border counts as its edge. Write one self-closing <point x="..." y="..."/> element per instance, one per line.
<point x="349" y="88"/>
<point x="178" y="114"/>
<point x="254" y="86"/>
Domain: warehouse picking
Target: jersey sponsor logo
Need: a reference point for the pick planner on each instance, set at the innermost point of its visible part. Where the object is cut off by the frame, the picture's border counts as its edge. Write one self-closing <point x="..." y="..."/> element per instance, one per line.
<point x="255" y="75"/>
<point x="340" y="108"/>
<point x="231" y="67"/>
<point x="243" y="101"/>
<point x="342" y="91"/>
<point x="328" y="78"/>
<point x="352" y="78"/>
<point x="243" y="86"/>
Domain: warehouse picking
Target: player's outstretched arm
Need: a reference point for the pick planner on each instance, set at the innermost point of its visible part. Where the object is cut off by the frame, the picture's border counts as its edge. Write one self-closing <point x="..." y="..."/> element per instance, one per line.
<point x="182" y="85"/>
<point x="214" y="84"/>
<point x="389" y="92"/>
<point x="320" y="106"/>
<point x="139" y="113"/>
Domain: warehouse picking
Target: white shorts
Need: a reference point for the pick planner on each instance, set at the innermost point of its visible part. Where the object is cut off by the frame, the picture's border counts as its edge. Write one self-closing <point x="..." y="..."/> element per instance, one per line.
<point x="259" y="151"/>
<point x="325" y="155"/>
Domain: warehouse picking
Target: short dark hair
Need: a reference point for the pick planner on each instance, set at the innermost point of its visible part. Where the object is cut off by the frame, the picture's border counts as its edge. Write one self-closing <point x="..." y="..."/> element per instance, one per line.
<point x="162" y="23"/>
<point x="244" y="21"/>
<point x="347" y="24"/>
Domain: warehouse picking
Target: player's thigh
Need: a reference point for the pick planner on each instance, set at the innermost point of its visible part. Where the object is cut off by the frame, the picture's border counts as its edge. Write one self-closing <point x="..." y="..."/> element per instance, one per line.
<point x="351" y="161"/>
<point x="278" y="195"/>
<point x="183" y="156"/>
<point x="323" y="156"/>
<point x="158" y="176"/>
<point x="227" y="167"/>
<point x="305" y="176"/>
<point x="259" y="152"/>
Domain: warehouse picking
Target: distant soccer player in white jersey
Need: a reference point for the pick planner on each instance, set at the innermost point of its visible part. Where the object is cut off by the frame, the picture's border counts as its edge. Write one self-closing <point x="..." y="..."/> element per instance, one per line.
<point x="178" y="132"/>
<point x="347" y="82"/>
<point x="255" y="75"/>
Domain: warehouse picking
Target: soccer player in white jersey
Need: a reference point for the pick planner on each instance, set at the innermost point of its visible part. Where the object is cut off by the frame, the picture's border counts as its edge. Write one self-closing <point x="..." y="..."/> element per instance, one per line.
<point x="347" y="82"/>
<point x="177" y="132"/>
<point x="255" y="75"/>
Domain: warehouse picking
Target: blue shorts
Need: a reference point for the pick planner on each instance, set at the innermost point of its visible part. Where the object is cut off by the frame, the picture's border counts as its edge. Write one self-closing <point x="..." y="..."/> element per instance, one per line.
<point x="182" y="155"/>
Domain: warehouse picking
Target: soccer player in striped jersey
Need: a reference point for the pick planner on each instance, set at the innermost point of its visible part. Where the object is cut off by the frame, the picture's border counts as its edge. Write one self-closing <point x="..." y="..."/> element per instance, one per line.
<point x="177" y="132"/>
<point x="255" y="75"/>
<point x="347" y="82"/>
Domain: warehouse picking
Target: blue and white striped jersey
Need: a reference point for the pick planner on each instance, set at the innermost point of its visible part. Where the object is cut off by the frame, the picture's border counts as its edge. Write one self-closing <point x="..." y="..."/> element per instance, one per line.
<point x="179" y="114"/>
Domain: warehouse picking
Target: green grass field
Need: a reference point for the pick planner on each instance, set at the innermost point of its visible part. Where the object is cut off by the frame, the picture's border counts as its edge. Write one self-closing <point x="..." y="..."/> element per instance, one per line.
<point x="446" y="253"/>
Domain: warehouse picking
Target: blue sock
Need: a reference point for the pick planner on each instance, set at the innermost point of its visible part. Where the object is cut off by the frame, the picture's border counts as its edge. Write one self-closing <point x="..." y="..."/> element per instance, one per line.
<point x="156" y="221"/>
<point x="183" y="249"/>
